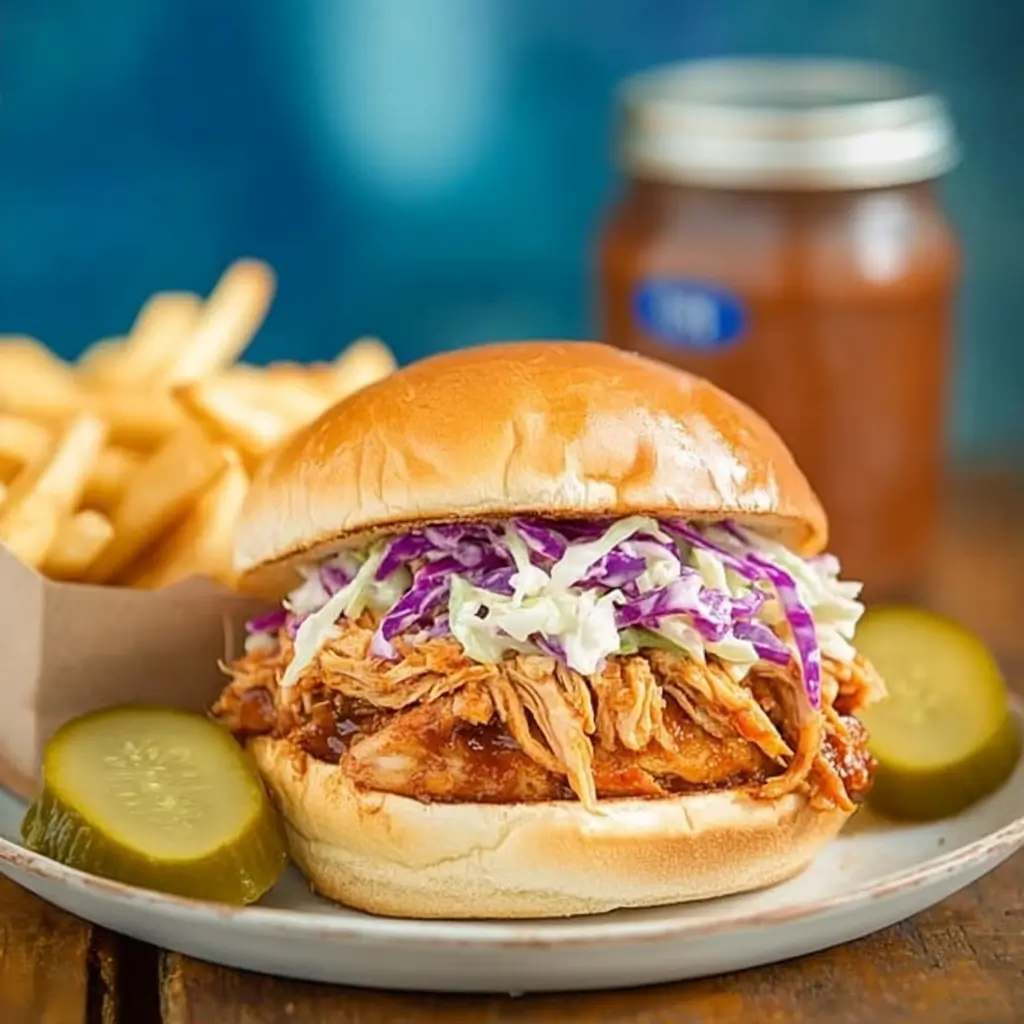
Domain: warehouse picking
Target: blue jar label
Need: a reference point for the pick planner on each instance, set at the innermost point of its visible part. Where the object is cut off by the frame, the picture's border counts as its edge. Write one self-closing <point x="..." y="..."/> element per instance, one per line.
<point x="689" y="314"/>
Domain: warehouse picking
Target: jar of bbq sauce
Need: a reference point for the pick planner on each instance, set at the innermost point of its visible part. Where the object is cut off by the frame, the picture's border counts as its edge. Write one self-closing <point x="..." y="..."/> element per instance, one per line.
<point x="779" y="233"/>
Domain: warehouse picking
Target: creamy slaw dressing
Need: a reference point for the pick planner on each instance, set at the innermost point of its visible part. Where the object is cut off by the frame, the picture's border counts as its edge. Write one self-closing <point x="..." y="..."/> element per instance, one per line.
<point x="634" y="584"/>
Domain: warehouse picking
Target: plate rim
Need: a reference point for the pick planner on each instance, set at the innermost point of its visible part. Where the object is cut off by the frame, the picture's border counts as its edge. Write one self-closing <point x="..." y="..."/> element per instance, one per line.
<point x="594" y="930"/>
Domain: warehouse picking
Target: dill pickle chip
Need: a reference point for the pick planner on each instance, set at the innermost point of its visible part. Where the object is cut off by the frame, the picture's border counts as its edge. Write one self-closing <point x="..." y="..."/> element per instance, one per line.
<point x="945" y="736"/>
<point x="157" y="798"/>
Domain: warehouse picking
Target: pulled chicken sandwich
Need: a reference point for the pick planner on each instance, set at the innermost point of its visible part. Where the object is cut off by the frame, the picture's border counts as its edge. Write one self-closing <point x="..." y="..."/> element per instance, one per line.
<point x="557" y="637"/>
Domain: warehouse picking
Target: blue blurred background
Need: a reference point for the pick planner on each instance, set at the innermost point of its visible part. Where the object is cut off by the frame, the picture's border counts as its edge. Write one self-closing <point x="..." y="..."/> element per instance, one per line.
<point x="431" y="171"/>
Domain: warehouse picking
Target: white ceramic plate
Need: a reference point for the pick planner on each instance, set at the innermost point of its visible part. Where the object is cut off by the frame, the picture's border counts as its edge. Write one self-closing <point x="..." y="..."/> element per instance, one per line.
<point x="872" y="876"/>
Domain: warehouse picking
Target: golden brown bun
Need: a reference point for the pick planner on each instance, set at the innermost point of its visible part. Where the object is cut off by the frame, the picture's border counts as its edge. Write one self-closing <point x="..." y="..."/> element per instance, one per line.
<point x="394" y="856"/>
<point x="556" y="428"/>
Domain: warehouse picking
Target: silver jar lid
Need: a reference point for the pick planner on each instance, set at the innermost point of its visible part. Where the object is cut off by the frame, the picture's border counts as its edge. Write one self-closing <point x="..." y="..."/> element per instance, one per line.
<point x="783" y="124"/>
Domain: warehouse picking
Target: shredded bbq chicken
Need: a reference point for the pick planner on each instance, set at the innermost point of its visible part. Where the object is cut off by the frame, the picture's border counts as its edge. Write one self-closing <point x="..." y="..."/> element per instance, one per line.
<point x="435" y="725"/>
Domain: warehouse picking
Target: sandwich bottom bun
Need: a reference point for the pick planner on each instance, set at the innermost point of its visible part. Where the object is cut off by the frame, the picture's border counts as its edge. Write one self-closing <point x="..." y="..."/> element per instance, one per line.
<point x="395" y="856"/>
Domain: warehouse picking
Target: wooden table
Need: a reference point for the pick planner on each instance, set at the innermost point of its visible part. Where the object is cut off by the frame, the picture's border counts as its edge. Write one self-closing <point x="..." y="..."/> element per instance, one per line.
<point x="962" y="961"/>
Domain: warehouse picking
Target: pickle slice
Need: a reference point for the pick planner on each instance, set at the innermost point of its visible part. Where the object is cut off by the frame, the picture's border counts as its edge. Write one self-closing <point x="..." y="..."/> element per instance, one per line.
<point x="945" y="736"/>
<point x="157" y="798"/>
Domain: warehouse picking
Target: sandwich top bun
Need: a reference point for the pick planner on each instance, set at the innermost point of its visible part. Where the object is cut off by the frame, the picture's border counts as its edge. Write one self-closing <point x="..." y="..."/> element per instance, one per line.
<point x="551" y="428"/>
<point x="399" y="857"/>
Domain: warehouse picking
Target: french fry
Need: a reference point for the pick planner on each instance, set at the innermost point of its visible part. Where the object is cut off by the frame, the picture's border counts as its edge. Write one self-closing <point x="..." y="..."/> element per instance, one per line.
<point x="154" y="498"/>
<point x="28" y="529"/>
<point x="49" y="489"/>
<point x="27" y="396"/>
<point x="201" y="545"/>
<point x="299" y="393"/>
<point x="233" y="314"/>
<point x="296" y="399"/>
<point x="163" y="325"/>
<point x="19" y="348"/>
<point x="157" y="497"/>
<point x="138" y="420"/>
<point x="79" y="542"/>
<point x="110" y="476"/>
<point x="21" y="441"/>
<point x="233" y="419"/>
<point x="364" y="362"/>
<point x="20" y="354"/>
<point x="63" y="469"/>
<point x="96" y="365"/>
<point x="32" y="384"/>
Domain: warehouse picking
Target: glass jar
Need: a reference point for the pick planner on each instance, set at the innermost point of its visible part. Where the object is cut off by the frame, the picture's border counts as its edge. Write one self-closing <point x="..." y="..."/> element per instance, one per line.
<point x="779" y="234"/>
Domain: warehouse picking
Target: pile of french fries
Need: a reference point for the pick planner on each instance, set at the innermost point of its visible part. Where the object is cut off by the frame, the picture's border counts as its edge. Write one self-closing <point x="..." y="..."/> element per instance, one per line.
<point x="129" y="466"/>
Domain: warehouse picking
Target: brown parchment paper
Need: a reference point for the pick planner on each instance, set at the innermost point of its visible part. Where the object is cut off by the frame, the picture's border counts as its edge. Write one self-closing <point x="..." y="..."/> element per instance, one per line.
<point x="68" y="648"/>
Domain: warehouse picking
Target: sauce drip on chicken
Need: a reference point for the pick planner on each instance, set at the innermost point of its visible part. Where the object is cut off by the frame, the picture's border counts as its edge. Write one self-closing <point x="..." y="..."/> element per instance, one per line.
<point x="434" y="725"/>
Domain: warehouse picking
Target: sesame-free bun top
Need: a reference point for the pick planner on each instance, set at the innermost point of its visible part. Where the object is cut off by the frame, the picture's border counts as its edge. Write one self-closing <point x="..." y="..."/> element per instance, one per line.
<point x="539" y="427"/>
